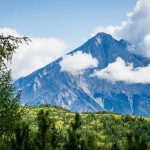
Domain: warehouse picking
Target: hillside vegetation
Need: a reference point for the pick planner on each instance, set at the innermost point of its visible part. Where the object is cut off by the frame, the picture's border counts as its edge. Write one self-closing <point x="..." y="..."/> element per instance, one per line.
<point x="52" y="127"/>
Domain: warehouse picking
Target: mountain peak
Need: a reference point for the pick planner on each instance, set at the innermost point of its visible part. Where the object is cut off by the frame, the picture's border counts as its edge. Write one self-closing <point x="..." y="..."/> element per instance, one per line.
<point x="83" y="92"/>
<point x="107" y="37"/>
<point x="103" y="36"/>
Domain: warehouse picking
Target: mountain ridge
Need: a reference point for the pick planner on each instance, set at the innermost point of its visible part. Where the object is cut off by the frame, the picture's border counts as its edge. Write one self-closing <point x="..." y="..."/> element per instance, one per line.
<point x="84" y="93"/>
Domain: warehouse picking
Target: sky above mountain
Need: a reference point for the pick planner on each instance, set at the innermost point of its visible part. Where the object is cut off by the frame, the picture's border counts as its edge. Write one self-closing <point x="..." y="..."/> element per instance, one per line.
<point x="56" y="27"/>
<point x="70" y="20"/>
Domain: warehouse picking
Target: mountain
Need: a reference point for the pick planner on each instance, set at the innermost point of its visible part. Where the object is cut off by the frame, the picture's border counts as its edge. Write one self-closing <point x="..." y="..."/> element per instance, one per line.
<point x="85" y="93"/>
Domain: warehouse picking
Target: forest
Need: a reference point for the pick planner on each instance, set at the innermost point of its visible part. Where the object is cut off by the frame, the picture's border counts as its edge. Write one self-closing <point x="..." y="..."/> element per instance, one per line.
<point x="47" y="127"/>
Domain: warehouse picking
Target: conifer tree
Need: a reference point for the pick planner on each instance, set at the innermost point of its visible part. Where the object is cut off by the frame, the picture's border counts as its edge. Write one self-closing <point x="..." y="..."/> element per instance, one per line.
<point x="21" y="139"/>
<point x="54" y="136"/>
<point x="43" y="135"/>
<point x="9" y="98"/>
<point x="74" y="142"/>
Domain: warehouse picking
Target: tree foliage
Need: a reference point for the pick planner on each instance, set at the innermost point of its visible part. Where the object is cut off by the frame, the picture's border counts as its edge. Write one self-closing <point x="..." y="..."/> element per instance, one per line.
<point x="8" y="45"/>
<point x="9" y="98"/>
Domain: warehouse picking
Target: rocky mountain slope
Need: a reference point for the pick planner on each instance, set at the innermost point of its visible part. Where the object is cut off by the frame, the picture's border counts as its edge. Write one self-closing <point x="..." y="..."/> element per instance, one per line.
<point x="86" y="93"/>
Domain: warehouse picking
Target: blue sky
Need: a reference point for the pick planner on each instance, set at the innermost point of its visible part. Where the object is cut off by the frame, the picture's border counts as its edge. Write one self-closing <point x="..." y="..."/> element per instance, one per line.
<point x="70" y="20"/>
<point x="58" y="26"/>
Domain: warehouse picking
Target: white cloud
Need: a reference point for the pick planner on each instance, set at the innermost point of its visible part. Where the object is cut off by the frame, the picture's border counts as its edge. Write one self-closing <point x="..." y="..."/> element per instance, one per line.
<point x="37" y="54"/>
<point x="8" y="31"/>
<point x="146" y="43"/>
<point x="135" y="29"/>
<point x="113" y="30"/>
<point x="78" y="62"/>
<point x="122" y="71"/>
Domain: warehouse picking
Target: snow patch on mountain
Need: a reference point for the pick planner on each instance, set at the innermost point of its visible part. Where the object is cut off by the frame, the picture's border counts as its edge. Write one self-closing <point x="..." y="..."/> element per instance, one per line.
<point x="36" y="85"/>
<point x="44" y="72"/>
<point x="98" y="40"/>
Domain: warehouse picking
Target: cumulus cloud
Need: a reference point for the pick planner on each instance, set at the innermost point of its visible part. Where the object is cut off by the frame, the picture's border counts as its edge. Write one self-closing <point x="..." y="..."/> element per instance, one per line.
<point x="78" y="62"/>
<point x="122" y="71"/>
<point x="135" y="29"/>
<point x="38" y="53"/>
<point x="146" y="43"/>
<point x="8" y="31"/>
<point x="112" y="30"/>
